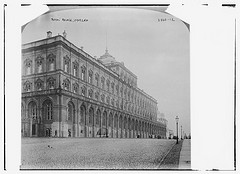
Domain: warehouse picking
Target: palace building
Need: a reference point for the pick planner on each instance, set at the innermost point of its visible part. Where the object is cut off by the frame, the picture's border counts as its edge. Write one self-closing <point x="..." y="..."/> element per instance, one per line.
<point x="68" y="93"/>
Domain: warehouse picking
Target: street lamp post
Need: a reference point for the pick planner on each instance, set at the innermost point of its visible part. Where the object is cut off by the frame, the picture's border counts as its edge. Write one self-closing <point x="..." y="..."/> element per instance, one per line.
<point x="181" y="132"/>
<point x="177" y="126"/>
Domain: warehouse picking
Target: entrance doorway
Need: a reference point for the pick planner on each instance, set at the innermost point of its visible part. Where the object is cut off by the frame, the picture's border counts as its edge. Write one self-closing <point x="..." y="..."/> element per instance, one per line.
<point x="33" y="129"/>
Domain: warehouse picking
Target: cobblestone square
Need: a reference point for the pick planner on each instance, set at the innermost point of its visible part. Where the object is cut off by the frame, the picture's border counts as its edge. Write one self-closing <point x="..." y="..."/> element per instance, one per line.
<point x="89" y="153"/>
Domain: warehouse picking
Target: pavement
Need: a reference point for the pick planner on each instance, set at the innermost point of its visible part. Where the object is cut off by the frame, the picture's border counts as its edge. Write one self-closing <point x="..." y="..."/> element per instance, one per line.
<point x="185" y="155"/>
<point x="93" y="153"/>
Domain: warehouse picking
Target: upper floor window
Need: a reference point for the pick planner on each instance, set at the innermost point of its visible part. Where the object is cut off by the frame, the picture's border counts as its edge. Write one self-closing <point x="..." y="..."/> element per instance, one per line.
<point x="51" y="62"/>
<point x="51" y="83"/>
<point x="112" y="102"/>
<point x="117" y="104"/>
<point x="39" y="65"/>
<point x="108" y="84"/>
<point x="102" y="82"/>
<point x="121" y="91"/>
<point x="103" y="98"/>
<point x="28" y="64"/>
<point x="84" y="90"/>
<point x="83" y="73"/>
<point x="90" y="93"/>
<point x="112" y="86"/>
<point x="28" y="86"/>
<point x="39" y="84"/>
<point x="66" y="84"/>
<point x="90" y="75"/>
<point x="97" y="79"/>
<point x="75" y="88"/>
<point x="75" y="68"/>
<point x="117" y="89"/>
<point x="96" y="95"/>
<point x="108" y="99"/>
<point x="66" y="63"/>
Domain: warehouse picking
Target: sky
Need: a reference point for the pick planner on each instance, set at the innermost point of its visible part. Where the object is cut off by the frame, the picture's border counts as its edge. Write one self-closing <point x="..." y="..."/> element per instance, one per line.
<point x="156" y="51"/>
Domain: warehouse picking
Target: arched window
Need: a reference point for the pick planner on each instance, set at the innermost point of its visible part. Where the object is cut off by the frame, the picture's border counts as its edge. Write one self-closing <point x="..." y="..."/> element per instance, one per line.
<point x="66" y="64"/>
<point x="125" y="123"/>
<point x="70" y="111"/>
<point x="90" y="75"/>
<point x="112" y="86"/>
<point x="108" y="99"/>
<point x="82" y="114"/>
<point x="90" y="93"/>
<point x="39" y="65"/>
<point x="51" y="83"/>
<point x="83" y="73"/>
<point x="66" y="84"/>
<point x="39" y="84"/>
<point x="27" y="86"/>
<point x="51" y="62"/>
<point x="91" y="116"/>
<point x="32" y="109"/>
<point x="98" y="117"/>
<point x="75" y="88"/>
<point x="108" y="84"/>
<point x="104" y="123"/>
<point x="75" y="68"/>
<point x="120" y="122"/>
<point x="84" y="89"/>
<point x="102" y="82"/>
<point x="28" y="65"/>
<point x="48" y="110"/>
<point x="103" y="98"/>
<point x="115" y="121"/>
<point x="97" y="79"/>
<point x="96" y="95"/>
<point x="110" y="122"/>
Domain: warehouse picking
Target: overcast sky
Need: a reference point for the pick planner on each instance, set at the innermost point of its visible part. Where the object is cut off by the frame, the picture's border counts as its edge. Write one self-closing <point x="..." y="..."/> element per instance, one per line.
<point x="154" y="50"/>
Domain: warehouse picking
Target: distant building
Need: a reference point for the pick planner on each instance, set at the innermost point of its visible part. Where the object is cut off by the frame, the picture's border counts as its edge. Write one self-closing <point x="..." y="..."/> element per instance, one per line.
<point x="161" y="119"/>
<point x="68" y="93"/>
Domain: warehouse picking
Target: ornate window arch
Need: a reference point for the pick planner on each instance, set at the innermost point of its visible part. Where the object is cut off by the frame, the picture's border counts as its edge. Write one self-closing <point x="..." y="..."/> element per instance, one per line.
<point x="97" y="79"/>
<point x="75" y="87"/>
<point x="75" y="68"/>
<point x="102" y="82"/>
<point x="82" y="114"/>
<point x="97" y="95"/>
<point x="66" y="64"/>
<point x="51" y="62"/>
<point x="70" y="111"/>
<point x="32" y="110"/>
<point x="91" y="116"/>
<point x="84" y="90"/>
<point x="83" y="72"/>
<point x="108" y="84"/>
<point x="27" y="86"/>
<point x="39" y="84"/>
<point x="48" y="109"/>
<point x="90" y="76"/>
<point x="104" y="123"/>
<point x="51" y="82"/>
<point x="28" y="66"/>
<point x="66" y="84"/>
<point x="39" y="64"/>
<point x="90" y="93"/>
<point x="98" y="117"/>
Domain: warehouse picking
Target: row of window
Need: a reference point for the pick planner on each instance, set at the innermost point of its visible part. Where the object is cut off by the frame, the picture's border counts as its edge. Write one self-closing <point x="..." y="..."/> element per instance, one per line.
<point x="111" y="121"/>
<point x="110" y="86"/>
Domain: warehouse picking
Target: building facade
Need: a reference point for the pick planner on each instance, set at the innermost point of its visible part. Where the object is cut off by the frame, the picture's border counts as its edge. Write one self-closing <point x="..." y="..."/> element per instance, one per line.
<point x="68" y="93"/>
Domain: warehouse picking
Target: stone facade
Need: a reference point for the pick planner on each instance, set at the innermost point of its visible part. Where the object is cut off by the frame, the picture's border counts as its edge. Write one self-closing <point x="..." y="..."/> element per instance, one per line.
<point x="68" y="93"/>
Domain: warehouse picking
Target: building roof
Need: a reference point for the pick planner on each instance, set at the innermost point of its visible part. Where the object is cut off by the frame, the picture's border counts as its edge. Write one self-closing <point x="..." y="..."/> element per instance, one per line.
<point x="107" y="58"/>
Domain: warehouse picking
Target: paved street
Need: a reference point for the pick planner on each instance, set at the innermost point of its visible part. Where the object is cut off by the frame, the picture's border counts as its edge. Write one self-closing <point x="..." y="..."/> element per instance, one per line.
<point x="98" y="153"/>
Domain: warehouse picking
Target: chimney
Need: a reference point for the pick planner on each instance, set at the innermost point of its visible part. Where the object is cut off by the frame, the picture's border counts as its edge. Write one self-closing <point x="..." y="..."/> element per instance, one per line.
<point x="49" y="34"/>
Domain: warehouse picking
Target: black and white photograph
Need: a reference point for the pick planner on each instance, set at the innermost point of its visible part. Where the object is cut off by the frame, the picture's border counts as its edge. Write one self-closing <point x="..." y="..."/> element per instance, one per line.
<point x="105" y="88"/>
<point x="120" y="87"/>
